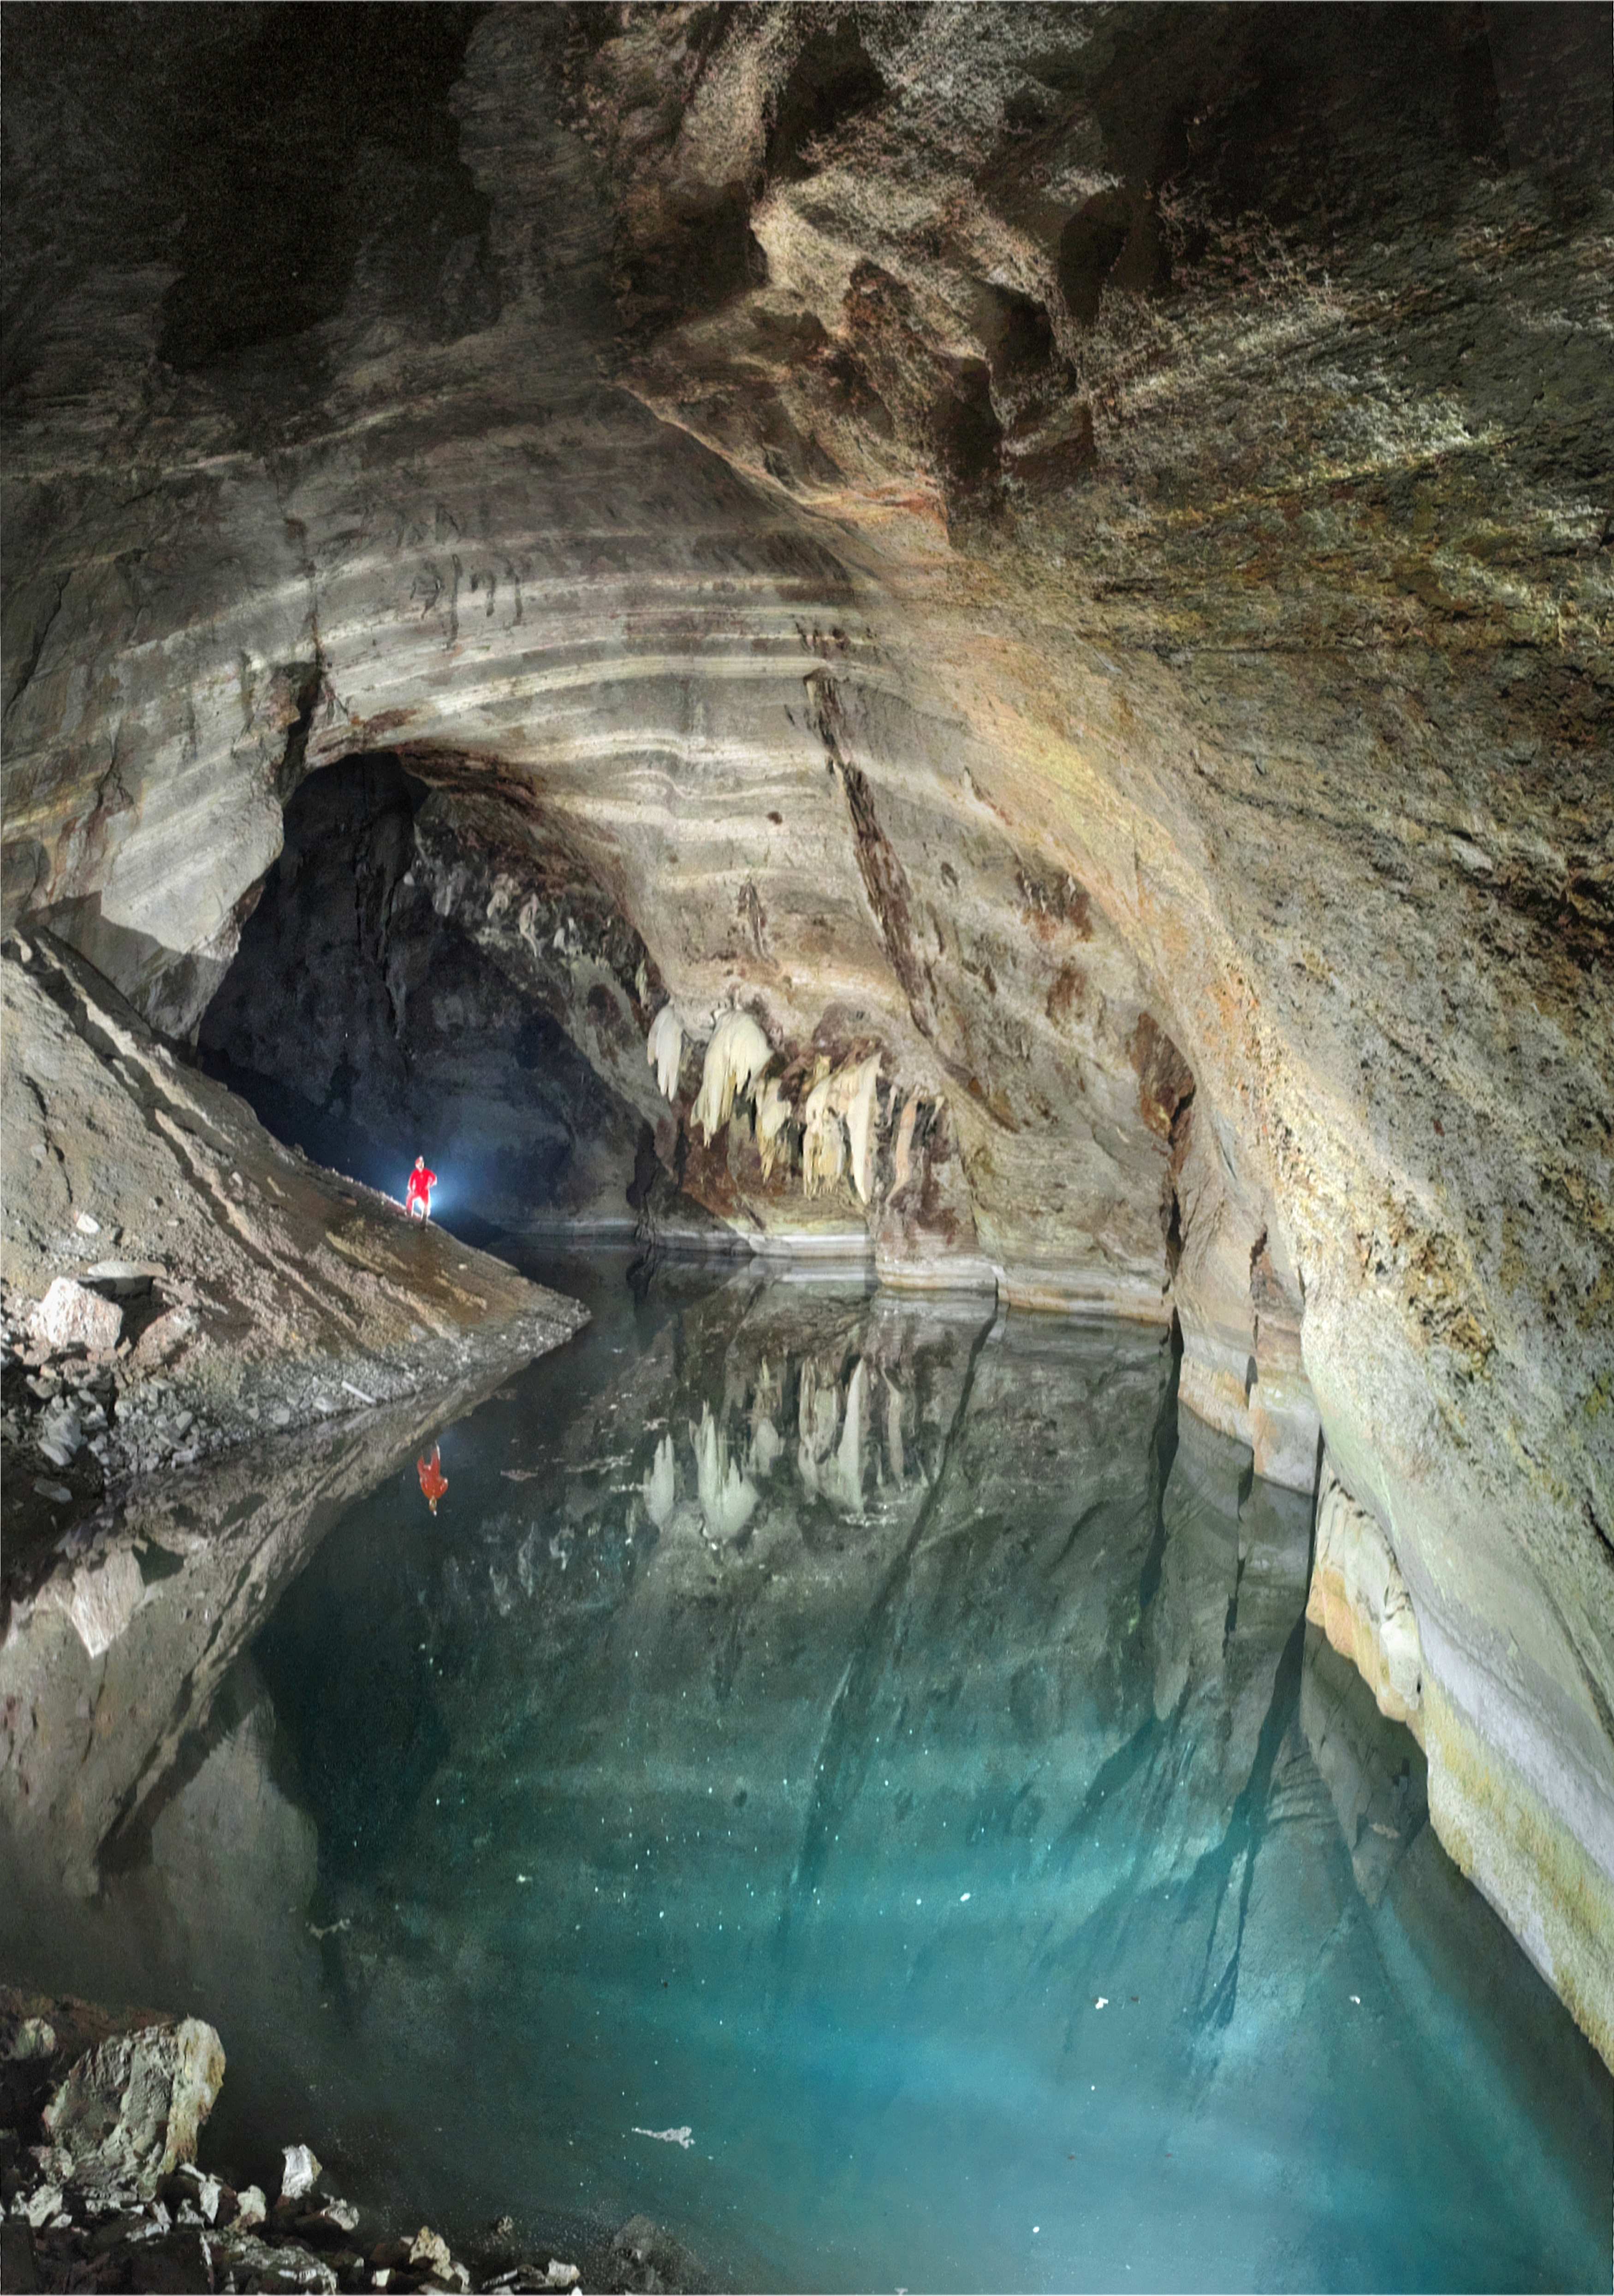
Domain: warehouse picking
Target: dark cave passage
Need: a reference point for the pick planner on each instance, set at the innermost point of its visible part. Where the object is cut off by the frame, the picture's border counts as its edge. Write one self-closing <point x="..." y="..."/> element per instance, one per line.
<point x="365" y="1026"/>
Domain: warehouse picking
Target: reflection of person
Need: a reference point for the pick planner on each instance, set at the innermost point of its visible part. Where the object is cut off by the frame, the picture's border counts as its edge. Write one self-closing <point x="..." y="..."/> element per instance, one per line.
<point x="434" y="1483"/>
<point x="417" y="1203"/>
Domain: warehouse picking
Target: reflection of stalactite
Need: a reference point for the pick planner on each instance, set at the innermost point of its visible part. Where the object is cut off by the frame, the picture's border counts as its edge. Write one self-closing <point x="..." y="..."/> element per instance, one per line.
<point x="766" y="1446"/>
<point x="837" y="1771"/>
<point x="850" y="1426"/>
<point x="660" y="1485"/>
<point x="728" y="1498"/>
<point x="848" y="1458"/>
<point x="818" y="1417"/>
<point x="838" y="1479"/>
<point x="895" y="1453"/>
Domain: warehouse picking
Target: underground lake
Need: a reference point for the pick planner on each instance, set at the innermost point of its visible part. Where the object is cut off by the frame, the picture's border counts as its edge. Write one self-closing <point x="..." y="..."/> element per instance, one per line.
<point x="848" y="1776"/>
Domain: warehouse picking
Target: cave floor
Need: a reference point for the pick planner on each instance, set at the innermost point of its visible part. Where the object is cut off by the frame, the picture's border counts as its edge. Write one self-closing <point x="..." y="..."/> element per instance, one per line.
<point x="849" y="1778"/>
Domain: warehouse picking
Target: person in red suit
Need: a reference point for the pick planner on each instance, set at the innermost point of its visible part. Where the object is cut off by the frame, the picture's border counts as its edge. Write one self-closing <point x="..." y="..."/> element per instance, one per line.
<point x="417" y="1203"/>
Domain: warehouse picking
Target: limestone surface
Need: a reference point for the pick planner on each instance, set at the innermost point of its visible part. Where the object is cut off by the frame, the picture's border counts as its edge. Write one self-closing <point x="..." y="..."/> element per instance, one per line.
<point x="1359" y="1598"/>
<point x="263" y="1294"/>
<point x="130" y="2110"/>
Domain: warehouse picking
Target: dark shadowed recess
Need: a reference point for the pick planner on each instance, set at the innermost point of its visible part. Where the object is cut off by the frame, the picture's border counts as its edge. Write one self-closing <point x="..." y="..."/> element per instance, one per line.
<point x="325" y="130"/>
<point x="833" y="81"/>
<point x="364" y="1028"/>
<point x="368" y="1732"/>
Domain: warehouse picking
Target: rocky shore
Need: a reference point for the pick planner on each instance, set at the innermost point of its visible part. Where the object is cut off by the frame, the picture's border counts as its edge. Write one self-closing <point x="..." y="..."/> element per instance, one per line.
<point x="179" y="1286"/>
<point x="100" y="2188"/>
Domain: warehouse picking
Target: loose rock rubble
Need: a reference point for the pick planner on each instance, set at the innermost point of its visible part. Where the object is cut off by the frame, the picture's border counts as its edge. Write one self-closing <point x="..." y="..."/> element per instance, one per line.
<point x="100" y="2188"/>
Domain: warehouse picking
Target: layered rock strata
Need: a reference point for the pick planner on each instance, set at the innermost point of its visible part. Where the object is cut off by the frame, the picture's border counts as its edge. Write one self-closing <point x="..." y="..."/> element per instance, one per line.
<point x="177" y="1283"/>
<point x="1064" y="553"/>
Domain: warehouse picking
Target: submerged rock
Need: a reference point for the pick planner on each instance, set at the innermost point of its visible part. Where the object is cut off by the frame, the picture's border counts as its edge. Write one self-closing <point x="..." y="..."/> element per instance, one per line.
<point x="645" y="2258"/>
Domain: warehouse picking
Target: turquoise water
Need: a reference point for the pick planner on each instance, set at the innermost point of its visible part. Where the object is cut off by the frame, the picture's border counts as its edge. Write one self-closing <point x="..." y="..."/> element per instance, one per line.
<point x="867" y="1737"/>
<point x="872" y="1738"/>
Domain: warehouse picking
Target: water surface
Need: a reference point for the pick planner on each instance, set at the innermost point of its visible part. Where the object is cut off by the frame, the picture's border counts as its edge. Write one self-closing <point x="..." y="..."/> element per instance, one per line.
<point x="869" y="1736"/>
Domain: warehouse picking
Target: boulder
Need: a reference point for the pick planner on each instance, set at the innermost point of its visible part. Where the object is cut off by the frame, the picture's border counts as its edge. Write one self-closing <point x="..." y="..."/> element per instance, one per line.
<point x="300" y="2174"/>
<point x="240" y="2259"/>
<point x="70" y="1316"/>
<point x="131" y="2108"/>
<point x="647" y="2258"/>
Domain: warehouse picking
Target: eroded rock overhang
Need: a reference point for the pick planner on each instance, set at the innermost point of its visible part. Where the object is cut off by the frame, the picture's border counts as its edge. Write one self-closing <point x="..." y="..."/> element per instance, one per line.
<point x="987" y="564"/>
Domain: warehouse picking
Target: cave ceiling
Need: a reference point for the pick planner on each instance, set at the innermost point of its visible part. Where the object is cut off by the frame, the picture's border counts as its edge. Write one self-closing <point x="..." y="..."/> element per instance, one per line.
<point x="1062" y="551"/>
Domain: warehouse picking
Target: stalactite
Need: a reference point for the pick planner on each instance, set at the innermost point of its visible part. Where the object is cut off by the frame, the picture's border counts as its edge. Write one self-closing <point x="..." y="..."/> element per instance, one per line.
<point x="664" y="1051"/>
<point x="823" y="1142"/>
<point x="861" y="1086"/>
<point x="738" y="1053"/>
<point x="902" y="1153"/>
<point x="773" y="1112"/>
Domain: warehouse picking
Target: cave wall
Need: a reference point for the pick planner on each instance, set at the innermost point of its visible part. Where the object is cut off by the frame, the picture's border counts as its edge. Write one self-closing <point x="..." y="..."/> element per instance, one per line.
<point x="1067" y="551"/>
<point x="358" y="1013"/>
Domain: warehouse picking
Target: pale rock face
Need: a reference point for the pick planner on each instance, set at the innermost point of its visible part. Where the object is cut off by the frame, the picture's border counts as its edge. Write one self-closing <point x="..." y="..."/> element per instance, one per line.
<point x="70" y="1316"/>
<point x="100" y="1599"/>
<point x="300" y="2172"/>
<point x="1110" y="626"/>
<point x="1359" y="1600"/>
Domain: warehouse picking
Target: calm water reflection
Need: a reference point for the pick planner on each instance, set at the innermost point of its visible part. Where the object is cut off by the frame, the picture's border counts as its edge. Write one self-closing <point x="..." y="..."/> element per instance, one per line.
<point x="869" y="1737"/>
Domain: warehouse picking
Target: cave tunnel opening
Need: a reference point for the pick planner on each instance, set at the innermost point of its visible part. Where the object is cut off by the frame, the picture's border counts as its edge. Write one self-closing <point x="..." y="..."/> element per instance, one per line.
<point x="401" y="989"/>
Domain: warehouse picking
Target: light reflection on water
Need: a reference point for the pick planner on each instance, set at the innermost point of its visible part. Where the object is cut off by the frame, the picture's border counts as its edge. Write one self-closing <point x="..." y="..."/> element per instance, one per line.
<point x="852" y="1696"/>
<point x="803" y="1712"/>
